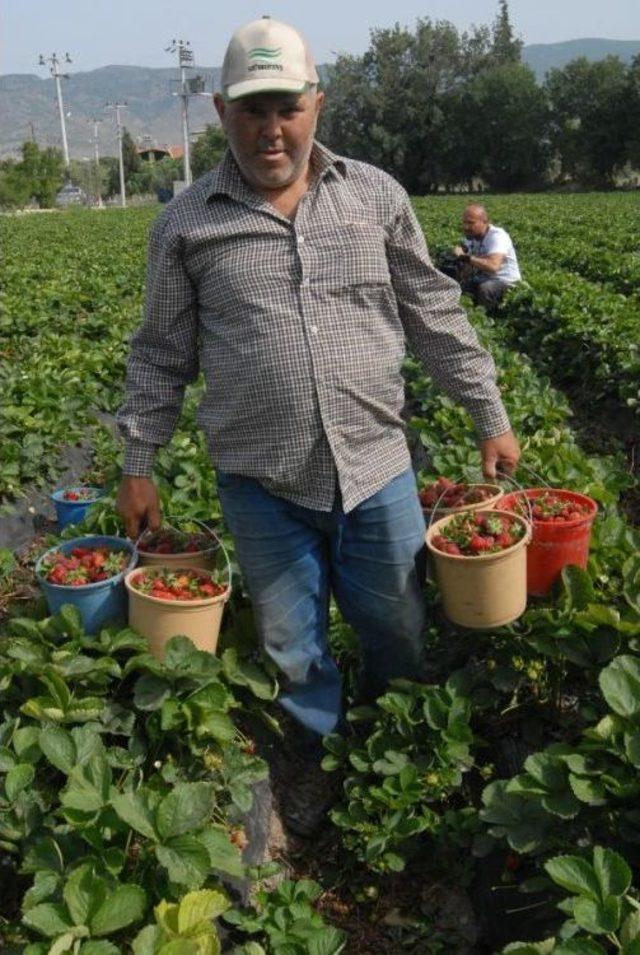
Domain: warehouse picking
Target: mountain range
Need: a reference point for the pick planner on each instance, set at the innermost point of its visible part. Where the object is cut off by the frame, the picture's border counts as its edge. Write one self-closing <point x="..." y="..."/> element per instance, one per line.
<point x="28" y="102"/>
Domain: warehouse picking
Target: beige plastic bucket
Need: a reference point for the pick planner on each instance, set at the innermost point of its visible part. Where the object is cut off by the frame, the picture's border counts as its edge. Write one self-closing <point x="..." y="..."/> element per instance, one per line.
<point x="207" y="558"/>
<point x="486" y="505"/>
<point x="486" y="591"/>
<point x="160" y="620"/>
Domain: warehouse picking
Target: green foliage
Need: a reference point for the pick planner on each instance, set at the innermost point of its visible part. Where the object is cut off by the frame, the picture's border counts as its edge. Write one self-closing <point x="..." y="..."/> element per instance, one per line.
<point x="38" y="176"/>
<point x="416" y="749"/>
<point x="287" y="918"/>
<point x="207" y="150"/>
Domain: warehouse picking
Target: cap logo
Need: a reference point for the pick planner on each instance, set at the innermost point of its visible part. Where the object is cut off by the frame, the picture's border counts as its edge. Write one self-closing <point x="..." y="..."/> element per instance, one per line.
<point x="265" y="53"/>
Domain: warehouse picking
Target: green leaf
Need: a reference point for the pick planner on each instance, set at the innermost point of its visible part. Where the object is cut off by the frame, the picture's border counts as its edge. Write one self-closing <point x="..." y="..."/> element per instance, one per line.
<point x="99" y="948"/>
<point x="57" y="745"/>
<point x="630" y="931"/>
<point x="197" y="907"/>
<point x="531" y="948"/>
<point x="181" y="946"/>
<point x="575" y="875"/>
<point x="612" y="871"/>
<point x="578" y="588"/>
<point x="25" y="743"/>
<point x="223" y="855"/>
<point x="326" y="941"/>
<point x="150" y="692"/>
<point x="620" y="685"/>
<point x="7" y="759"/>
<point x="246" y="673"/>
<point x="147" y="941"/>
<point x="123" y="906"/>
<point x="579" y="946"/>
<point x="18" y="779"/>
<point x="88" y="786"/>
<point x="44" y="885"/>
<point x="136" y="810"/>
<point x="72" y="620"/>
<point x="58" y="689"/>
<point x="83" y="892"/>
<point x="588" y="789"/>
<point x="186" y="860"/>
<point x="600" y="918"/>
<point x="50" y="919"/>
<point x="188" y="807"/>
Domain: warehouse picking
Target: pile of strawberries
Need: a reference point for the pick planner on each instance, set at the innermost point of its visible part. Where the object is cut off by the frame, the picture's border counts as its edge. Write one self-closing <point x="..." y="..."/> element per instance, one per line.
<point x="80" y="494"/>
<point x="474" y="534"/>
<point x="446" y="493"/>
<point x="553" y="507"/>
<point x="176" y="585"/>
<point x="170" y="541"/>
<point x="84" y="565"/>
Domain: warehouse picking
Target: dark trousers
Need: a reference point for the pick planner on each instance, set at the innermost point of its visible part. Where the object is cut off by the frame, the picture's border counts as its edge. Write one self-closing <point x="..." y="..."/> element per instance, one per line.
<point x="487" y="292"/>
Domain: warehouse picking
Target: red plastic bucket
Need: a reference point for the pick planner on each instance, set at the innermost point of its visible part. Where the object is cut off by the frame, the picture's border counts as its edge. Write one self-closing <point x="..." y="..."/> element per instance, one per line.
<point x="554" y="544"/>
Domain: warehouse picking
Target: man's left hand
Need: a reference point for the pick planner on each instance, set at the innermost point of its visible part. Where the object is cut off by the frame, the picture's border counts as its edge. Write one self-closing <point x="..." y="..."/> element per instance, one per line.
<point x="458" y="250"/>
<point x="500" y="455"/>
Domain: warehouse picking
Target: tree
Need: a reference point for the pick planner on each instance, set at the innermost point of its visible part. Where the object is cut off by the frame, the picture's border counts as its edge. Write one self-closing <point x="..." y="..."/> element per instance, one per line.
<point x="506" y="47"/>
<point x="507" y="123"/>
<point x="43" y="173"/>
<point x="590" y="127"/>
<point x="632" y="96"/>
<point x="130" y="155"/>
<point x="154" y="175"/>
<point x="207" y="150"/>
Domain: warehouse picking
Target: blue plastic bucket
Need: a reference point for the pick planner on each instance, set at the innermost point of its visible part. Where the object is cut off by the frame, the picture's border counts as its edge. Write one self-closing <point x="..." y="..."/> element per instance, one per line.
<point x="97" y="603"/>
<point x="72" y="512"/>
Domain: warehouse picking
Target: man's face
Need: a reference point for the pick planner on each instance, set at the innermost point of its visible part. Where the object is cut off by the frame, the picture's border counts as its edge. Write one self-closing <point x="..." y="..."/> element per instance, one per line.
<point x="271" y="135"/>
<point x="474" y="224"/>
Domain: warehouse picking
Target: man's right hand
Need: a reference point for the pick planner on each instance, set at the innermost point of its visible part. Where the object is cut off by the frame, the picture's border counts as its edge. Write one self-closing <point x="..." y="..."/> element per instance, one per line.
<point x="139" y="505"/>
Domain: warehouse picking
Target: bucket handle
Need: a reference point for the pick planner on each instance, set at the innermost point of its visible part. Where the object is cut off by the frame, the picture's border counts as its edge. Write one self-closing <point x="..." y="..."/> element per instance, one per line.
<point x="509" y="479"/>
<point x="214" y="537"/>
<point x="432" y="511"/>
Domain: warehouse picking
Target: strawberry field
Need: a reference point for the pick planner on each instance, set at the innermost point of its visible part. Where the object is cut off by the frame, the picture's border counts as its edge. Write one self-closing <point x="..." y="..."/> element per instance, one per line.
<point x="493" y="809"/>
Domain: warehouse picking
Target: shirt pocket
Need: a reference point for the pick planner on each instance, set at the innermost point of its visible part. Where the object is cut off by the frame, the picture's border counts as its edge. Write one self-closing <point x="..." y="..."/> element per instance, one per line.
<point x="349" y="255"/>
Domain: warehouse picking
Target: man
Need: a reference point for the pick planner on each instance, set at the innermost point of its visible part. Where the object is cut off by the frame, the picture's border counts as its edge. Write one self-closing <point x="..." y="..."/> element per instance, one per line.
<point x="488" y="257"/>
<point x="291" y="277"/>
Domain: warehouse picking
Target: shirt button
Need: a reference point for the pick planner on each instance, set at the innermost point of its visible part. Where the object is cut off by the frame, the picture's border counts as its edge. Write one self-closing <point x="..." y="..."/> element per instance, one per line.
<point x="313" y="329"/>
<point x="300" y="239"/>
<point x="305" y="283"/>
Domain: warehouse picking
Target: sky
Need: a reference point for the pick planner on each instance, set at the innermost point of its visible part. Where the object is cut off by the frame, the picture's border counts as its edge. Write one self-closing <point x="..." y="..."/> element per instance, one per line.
<point x="135" y="32"/>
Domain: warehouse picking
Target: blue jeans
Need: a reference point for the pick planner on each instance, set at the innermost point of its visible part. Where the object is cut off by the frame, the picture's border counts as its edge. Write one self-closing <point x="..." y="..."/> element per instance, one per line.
<point x="293" y="558"/>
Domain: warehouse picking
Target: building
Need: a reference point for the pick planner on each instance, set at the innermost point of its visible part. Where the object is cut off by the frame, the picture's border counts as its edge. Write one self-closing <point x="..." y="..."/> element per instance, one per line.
<point x="149" y="152"/>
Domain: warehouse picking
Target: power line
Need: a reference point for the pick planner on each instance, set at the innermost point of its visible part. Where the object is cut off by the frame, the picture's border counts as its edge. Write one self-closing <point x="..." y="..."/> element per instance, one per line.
<point x="117" y="107"/>
<point x="57" y="76"/>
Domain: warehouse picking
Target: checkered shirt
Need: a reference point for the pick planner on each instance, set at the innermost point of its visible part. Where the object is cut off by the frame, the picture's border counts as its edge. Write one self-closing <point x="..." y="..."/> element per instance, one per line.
<point x="299" y="328"/>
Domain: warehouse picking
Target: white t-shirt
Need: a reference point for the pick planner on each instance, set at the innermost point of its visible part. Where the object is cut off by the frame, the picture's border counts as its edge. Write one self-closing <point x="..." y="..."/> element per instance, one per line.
<point x="497" y="240"/>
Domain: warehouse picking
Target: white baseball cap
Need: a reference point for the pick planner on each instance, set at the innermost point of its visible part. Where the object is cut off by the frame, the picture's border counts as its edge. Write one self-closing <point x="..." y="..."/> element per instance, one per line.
<point x="266" y="56"/>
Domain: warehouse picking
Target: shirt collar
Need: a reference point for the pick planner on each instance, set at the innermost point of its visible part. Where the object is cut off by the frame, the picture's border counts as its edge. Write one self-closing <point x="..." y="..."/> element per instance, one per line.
<point x="227" y="180"/>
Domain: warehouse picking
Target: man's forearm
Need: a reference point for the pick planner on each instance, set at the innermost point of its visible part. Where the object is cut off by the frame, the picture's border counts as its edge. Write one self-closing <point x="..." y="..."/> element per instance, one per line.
<point x="483" y="262"/>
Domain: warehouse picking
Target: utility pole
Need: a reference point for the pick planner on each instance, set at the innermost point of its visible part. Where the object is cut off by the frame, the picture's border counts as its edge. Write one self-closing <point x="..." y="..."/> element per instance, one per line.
<point x="185" y="62"/>
<point x="118" y="107"/>
<point x="57" y="75"/>
<point x="96" y="157"/>
<point x="32" y="127"/>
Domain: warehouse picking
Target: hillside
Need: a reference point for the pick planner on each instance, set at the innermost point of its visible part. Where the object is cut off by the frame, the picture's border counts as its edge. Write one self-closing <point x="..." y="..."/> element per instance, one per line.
<point x="154" y="111"/>
<point x="542" y="57"/>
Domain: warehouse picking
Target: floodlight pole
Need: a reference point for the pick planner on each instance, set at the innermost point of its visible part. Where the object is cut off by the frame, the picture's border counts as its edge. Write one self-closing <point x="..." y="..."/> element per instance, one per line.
<point x="57" y="75"/>
<point x="185" y="62"/>
<point x="117" y="107"/>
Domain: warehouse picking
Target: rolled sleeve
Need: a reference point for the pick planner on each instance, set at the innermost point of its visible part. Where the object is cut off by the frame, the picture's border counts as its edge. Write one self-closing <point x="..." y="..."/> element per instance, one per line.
<point x="437" y="328"/>
<point x="163" y="358"/>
